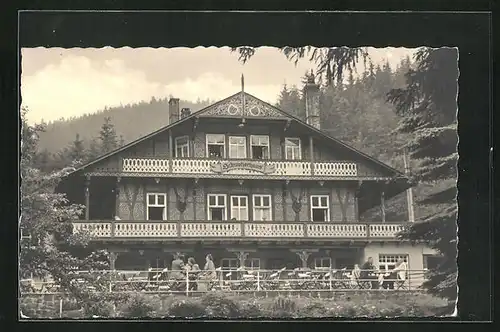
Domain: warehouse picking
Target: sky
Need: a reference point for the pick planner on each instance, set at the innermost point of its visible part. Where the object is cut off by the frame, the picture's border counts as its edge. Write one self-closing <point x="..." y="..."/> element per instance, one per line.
<point x="61" y="83"/>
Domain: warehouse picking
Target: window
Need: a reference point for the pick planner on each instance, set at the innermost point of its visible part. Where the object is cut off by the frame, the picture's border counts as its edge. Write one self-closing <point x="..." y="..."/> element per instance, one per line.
<point x="216" y="207"/>
<point x="229" y="264"/>
<point x="292" y="149"/>
<point x="252" y="263"/>
<point x="239" y="208"/>
<point x="259" y="146"/>
<point x="237" y="147"/>
<point x="182" y="147"/>
<point x="216" y="146"/>
<point x="431" y="261"/>
<point x="320" y="207"/>
<point x="388" y="262"/>
<point x="322" y="262"/>
<point x="262" y="207"/>
<point x="157" y="207"/>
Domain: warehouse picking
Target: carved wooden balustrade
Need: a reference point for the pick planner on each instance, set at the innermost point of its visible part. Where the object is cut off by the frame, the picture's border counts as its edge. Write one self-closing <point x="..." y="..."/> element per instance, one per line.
<point x="238" y="167"/>
<point x="234" y="229"/>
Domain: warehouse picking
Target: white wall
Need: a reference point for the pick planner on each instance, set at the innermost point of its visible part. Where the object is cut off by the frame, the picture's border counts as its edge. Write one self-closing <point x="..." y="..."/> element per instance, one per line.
<point x="415" y="256"/>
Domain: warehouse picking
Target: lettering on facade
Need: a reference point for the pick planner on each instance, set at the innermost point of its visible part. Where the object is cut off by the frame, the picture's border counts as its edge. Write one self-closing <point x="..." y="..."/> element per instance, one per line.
<point x="226" y="166"/>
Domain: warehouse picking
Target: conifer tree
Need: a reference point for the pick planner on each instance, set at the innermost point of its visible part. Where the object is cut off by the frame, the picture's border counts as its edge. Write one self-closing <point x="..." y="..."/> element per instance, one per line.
<point x="76" y="151"/>
<point x="122" y="141"/>
<point x="94" y="149"/>
<point x="427" y="106"/>
<point x="290" y="101"/>
<point x="107" y="136"/>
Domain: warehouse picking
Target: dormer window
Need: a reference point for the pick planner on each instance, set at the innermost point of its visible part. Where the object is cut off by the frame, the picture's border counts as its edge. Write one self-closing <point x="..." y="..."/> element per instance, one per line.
<point x="292" y="148"/>
<point x="259" y="146"/>
<point x="182" y="147"/>
<point x="216" y="146"/>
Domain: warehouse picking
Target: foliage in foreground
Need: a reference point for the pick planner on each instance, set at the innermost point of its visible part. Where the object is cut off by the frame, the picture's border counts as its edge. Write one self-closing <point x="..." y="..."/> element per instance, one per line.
<point x="48" y="247"/>
<point x="234" y="307"/>
<point x="428" y="107"/>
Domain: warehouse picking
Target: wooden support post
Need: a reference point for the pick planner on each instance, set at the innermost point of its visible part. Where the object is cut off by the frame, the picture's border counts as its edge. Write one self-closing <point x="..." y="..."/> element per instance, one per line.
<point x="117" y="195"/>
<point x="409" y="191"/>
<point x="87" y="197"/>
<point x="170" y="150"/>
<point x="187" y="282"/>
<point x="311" y="154"/>
<point x="356" y="200"/>
<point x="382" y="205"/>
<point x="242" y="257"/>
<point x="113" y="255"/>
<point x="304" y="256"/>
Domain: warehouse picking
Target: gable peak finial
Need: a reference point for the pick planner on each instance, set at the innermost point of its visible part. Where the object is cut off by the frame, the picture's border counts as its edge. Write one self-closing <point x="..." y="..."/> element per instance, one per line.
<point x="242" y="83"/>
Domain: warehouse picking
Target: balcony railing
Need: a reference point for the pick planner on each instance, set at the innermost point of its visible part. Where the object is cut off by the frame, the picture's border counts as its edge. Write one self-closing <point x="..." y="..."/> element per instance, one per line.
<point x="232" y="229"/>
<point x="238" y="167"/>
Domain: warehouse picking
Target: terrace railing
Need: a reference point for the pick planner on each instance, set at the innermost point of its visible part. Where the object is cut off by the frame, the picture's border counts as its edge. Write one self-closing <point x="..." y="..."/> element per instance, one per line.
<point x="241" y="281"/>
<point x="234" y="229"/>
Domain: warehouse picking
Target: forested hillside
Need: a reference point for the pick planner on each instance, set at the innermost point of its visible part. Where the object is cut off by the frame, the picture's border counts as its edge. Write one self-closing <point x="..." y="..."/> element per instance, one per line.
<point x="130" y="122"/>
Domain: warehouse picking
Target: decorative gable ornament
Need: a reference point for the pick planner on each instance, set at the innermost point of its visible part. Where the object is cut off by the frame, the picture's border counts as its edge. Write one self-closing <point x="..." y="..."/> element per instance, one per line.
<point x="233" y="107"/>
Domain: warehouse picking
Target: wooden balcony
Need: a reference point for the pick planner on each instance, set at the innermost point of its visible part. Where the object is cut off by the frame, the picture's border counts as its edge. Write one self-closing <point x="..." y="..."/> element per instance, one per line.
<point x="238" y="167"/>
<point x="237" y="230"/>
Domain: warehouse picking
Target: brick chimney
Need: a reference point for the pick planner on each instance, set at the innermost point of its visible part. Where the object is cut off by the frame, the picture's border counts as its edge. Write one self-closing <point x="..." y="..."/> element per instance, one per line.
<point x="173" y="110"/>
<point x="185" y="112"/>
<point x="311" y="95"/>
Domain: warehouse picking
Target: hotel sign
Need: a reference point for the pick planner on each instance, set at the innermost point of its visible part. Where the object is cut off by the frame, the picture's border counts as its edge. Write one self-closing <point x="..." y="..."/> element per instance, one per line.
<point x="226" y="166"/>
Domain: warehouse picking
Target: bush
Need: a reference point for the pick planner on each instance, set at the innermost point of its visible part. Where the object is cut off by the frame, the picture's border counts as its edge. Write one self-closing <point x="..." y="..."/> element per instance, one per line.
<point x="283" y="307"/>
<point x="70" y="304"/>
<point x="315" y="309"/>
<point x="220" y="306"/>
<point x="187" y="309"/>
<point x="99" y="308"/>
<point x="38" y="308"/>
<point x="140" y="306"/>
<point x="251" y="310"/>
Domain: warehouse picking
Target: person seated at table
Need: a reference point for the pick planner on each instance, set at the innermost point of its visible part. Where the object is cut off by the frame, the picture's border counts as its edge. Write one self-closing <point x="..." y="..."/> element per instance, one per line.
<point x="355" y="275"/>
<point x="192" y="266"/>
<point x="368" y="273"/>
<point x="178" y="267"/>
<point x="356" y="271"/>
<point x="398" y="274"/>
<point x="193" y="270"/>
<point x="400" y="271"/>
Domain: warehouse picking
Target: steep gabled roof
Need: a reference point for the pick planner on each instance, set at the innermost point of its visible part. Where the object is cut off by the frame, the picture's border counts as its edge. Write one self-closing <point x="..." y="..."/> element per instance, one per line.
<point x="233" y="106"/>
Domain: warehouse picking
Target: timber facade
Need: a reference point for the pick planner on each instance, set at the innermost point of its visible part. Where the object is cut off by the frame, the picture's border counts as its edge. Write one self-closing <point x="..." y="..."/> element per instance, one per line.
<point x="246" y="182"/>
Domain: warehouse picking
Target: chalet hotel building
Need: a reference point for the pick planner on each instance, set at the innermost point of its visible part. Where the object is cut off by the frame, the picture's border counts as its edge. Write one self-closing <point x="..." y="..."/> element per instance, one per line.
<point x="246" y="182"/>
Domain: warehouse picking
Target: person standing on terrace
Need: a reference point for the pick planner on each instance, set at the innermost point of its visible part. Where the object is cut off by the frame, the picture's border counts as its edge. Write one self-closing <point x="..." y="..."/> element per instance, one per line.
<point x="367" y="273"/>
